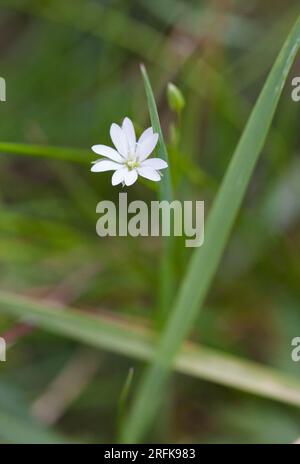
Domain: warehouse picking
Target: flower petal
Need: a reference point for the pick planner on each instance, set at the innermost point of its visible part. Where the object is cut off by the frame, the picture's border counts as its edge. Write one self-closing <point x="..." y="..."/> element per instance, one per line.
<point x="154" y="163"/>
<point x="129" y="131"/>
<point x="108" y="152"/>
<point x="130" y="177"/>
<point x="119" y="139"/>
<point x="118" y="176"/>
<point x="149" y="173"/>
<point x="147" y="133"/>
<point x="105" y="165"/>
<point x="146" y="147"/>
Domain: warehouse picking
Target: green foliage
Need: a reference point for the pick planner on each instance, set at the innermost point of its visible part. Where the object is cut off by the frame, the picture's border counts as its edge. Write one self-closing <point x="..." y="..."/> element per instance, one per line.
<point x="72" y="68"/>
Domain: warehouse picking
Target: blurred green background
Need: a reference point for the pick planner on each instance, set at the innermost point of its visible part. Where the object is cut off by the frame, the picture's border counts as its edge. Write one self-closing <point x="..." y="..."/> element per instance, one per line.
<point x="72" y="68"/>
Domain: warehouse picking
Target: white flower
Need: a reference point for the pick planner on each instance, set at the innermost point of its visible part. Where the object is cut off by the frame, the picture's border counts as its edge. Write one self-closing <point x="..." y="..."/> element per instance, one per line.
<point x="129" y="159"/>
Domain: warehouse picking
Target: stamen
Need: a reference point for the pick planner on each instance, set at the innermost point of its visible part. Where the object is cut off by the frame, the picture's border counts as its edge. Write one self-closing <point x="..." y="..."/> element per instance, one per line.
<point x="132" y="164"/>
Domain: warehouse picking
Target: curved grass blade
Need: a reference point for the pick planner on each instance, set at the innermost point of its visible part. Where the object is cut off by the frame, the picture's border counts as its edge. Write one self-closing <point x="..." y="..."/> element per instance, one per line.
<point x="205" y="260"/>
<point x="128" y="338"/>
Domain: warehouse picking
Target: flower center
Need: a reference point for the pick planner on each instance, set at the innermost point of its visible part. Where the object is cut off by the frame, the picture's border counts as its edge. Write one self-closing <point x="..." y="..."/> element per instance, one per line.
<point x="132" y="163"/>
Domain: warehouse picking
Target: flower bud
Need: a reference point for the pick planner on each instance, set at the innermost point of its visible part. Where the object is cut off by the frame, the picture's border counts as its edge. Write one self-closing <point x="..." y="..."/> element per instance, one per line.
<point x="175" y="98"/>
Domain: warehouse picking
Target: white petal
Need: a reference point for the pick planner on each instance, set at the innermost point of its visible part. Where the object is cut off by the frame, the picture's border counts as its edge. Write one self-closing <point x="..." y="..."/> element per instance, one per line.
<point x="146" y="147"/>
<point x="129" y="131"/>
<point x="147" y="133"/>
<point x="130" y="177"/>
<point x="118" y="176"/>
<point x="149" y="173"/>
<point x="105" y="165"/>
<point x="119" y="139"/>
<point x="154" y="163"/>
<point x="108" y="152"/>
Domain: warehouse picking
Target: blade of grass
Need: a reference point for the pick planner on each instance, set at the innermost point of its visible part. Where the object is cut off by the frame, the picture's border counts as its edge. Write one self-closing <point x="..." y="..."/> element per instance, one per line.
<point x="166" y="183"/>
<point x="124" y="398"/>
<point x="128" y="338"/>
<point x="44" y="151"/>
<point x="166" y="193"/>
<point x="205" y="260"/>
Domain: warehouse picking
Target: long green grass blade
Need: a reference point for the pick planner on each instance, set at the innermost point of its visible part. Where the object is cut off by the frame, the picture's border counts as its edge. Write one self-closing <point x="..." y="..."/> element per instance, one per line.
<point x="127" y="338"/>
<point x="165" y="184"/>
<point x="44" y="151"/>
<point x="166" y="193"/>
<point x="206" y="259"/>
